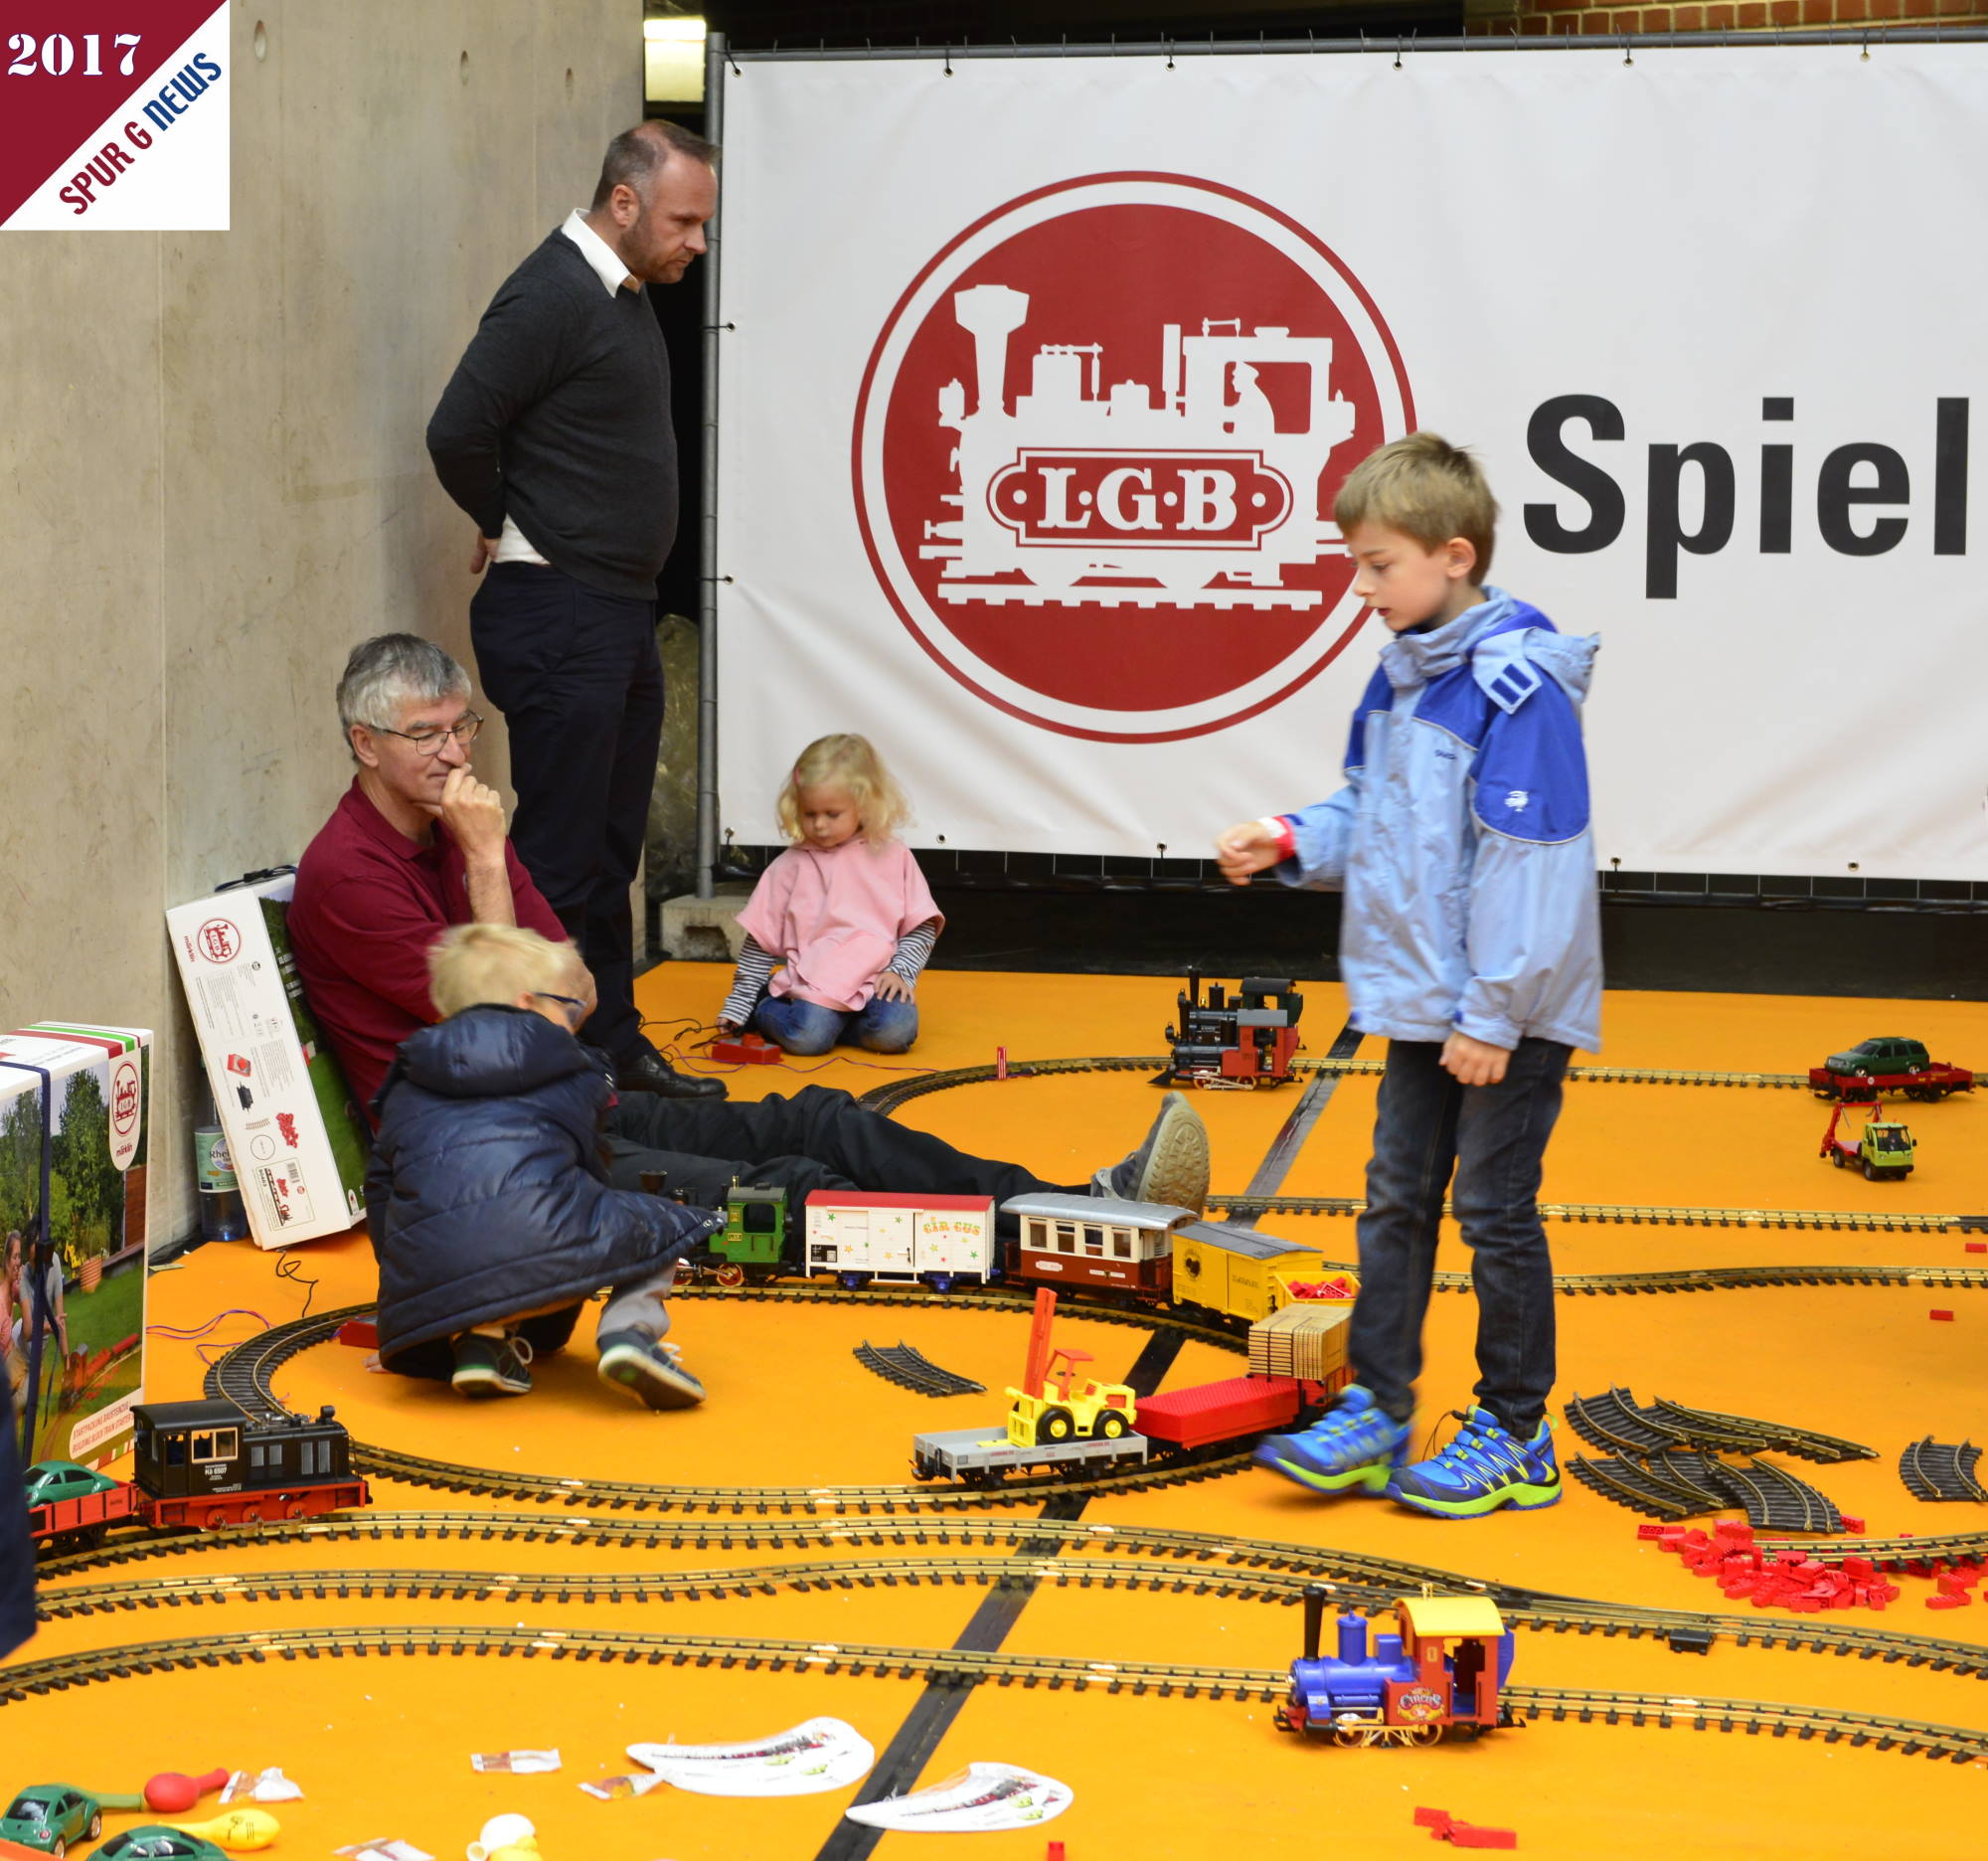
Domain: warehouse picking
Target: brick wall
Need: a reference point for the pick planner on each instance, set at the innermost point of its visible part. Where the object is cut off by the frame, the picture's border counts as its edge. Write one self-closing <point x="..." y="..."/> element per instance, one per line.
<point x="1533" y="17"/>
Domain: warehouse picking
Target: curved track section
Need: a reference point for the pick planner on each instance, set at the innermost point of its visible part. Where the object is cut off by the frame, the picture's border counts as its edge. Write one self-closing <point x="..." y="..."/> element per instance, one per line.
<point x="888" y="1097"/>
<point x="954" y="1666"/>
<point x="1195" y="1563"/>
<point x="894" y="1093"/>
<point x="243" y="1374"/>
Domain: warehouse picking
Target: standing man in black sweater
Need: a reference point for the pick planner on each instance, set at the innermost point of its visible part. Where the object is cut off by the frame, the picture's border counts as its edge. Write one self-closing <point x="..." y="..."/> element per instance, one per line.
<point x="555" y="435"/>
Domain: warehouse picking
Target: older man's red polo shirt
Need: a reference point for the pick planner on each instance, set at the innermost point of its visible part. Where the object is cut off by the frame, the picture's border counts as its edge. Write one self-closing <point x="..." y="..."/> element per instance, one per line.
<point x="369" y="901"/>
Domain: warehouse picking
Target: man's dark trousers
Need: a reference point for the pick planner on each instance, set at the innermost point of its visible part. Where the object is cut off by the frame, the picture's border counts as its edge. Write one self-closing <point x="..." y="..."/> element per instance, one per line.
<point x="819" y="1138"/>
<point x="579" y="680"/>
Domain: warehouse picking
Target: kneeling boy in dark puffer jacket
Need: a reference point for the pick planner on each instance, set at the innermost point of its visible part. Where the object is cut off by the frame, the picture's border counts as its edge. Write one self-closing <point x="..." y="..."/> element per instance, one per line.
<point x="488" y="1199"/>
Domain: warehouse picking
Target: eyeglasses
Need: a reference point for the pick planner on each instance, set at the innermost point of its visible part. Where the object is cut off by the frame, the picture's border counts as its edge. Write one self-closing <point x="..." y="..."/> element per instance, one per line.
<point x="570" y="1001"/>
<point x="430" y="742"/>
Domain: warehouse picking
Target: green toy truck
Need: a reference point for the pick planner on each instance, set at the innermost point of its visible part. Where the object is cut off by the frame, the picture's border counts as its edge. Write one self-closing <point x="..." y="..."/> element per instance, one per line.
<point x="1882" y="1149"/>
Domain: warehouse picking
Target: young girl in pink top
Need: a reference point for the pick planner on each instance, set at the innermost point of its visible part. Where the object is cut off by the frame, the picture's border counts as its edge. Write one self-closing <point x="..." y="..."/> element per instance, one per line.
<point x="845" y="909"/>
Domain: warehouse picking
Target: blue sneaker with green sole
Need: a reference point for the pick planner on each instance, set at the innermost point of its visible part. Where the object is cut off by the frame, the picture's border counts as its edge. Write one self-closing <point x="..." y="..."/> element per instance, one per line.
<point x="1483" y="1468"/>
<point x="1354" y="1446"/>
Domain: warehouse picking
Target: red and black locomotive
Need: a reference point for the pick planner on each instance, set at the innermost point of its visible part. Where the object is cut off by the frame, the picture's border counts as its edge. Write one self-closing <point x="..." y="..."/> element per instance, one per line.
<point x="209" y="1464"/>
<point x="1244" y="1041"/>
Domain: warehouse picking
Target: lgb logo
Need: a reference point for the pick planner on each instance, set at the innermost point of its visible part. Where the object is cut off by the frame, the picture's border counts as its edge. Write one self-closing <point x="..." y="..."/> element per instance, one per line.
<point x="218" y="941"/>
<point x="1126" y="534"/>
<point x="125" y="1099"/>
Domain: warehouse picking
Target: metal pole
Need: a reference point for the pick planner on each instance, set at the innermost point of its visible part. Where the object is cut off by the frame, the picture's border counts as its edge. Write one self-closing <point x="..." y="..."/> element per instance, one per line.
<point x="1182" y="50"/>
<point x="707" y="599"/>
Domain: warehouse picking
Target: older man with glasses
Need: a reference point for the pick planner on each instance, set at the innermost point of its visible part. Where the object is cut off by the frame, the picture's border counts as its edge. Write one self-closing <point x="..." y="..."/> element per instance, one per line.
<point x="418" y="845"/>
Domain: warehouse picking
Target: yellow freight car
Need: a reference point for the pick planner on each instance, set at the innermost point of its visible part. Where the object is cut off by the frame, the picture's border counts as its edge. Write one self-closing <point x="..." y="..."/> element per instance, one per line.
<point x="1237" y="1271"/>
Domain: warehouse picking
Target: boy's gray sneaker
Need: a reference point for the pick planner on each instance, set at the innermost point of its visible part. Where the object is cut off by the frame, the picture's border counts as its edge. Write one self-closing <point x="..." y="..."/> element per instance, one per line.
<point x="491" y="1366"/>
<point x="1170" y="1166"/>
<point x="648" y="1370"/>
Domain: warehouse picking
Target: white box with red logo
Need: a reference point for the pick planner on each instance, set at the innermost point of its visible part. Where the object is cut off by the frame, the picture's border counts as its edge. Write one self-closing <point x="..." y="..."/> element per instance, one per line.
<point x="74" y="1150"/>
<point x="296" y="1140"/>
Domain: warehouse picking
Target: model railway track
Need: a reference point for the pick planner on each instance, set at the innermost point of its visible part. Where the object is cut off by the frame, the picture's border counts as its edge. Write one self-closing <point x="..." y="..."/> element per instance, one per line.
<point x="1652" y="1216"/>
<point x="954" y="1666"/>
<point x="243" y="1375"/>
<point x="894" y="1093"/>
<point x="1941" y="1470"/>
<point x="1711" y="1279"/>
<point x="888" y="1097"/>
<point x="1177" y="1561"/>
<point x="1283" y="1588"/>
<point x="909" y="1368"/>
<point x="1614" y="1421"/>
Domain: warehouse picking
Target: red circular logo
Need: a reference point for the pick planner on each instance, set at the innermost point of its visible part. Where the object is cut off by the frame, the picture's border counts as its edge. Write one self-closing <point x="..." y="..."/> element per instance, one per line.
<point x="1097" y="448"/>
<point x="124" y="1098"/>
<point x="218" y="941"/>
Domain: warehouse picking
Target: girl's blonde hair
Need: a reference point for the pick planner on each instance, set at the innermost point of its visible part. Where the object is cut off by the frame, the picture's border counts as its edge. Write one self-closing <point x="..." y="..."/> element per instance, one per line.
<point x="478" y="963"/>
<point x="850" y="764"/>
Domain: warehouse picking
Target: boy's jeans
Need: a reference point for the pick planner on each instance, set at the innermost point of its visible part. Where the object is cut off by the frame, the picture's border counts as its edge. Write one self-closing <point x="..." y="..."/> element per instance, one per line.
<point x="805" y="1027"/>
<point x="1492" y="1139"/>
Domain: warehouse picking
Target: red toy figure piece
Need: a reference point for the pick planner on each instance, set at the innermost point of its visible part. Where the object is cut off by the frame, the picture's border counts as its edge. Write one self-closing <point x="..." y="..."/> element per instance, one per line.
<point x="174" y="1792"/>
<point x="1055" y="1853"/>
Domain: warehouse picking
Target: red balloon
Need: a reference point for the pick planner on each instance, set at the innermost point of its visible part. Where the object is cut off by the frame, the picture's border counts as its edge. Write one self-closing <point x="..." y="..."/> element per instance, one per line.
<point x="174" y="1792"/>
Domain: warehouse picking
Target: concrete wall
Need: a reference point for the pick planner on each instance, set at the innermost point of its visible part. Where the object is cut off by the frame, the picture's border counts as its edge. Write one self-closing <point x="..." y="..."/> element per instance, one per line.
<point x="213" y="482"/>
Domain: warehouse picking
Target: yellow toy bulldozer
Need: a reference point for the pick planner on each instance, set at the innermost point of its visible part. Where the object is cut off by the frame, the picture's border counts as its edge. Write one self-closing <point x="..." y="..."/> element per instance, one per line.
<point x="1056" y="1402"/>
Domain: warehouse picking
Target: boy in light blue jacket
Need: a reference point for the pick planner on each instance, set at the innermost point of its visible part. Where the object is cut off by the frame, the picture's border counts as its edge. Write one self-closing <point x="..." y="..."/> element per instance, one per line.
<point x="1470" y="939"/>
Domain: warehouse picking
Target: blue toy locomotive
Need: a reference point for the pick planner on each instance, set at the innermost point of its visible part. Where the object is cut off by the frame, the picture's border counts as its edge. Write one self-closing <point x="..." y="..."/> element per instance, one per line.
<point x="1439" y="1672"/>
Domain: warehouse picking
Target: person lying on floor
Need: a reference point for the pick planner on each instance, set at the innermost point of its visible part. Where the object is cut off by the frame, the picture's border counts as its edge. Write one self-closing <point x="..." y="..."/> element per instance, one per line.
<point x="418" y="845"/>
<point x="487" y="1196"/>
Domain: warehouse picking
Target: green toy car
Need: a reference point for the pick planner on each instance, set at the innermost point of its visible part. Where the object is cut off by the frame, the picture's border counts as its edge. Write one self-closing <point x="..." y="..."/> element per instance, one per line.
<point x="49" y="1817"/>
<point x="155" y="1842"/>
<point x="50" y="1480"/>
<point x="1883" y="1057"/>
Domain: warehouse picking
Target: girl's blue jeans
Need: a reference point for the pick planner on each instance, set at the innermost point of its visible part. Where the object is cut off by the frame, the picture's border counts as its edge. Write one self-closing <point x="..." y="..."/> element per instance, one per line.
<point x="804" y="1027"/>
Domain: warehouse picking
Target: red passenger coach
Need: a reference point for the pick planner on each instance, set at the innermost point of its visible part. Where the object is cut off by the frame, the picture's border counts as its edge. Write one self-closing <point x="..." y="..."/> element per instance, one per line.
<point x="1116" y="1248"/>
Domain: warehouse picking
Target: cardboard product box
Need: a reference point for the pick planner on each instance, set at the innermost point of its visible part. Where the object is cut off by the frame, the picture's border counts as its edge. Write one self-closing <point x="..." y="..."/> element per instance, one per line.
<point x="297" y="1140"/>
<point x="74" y="1140"/>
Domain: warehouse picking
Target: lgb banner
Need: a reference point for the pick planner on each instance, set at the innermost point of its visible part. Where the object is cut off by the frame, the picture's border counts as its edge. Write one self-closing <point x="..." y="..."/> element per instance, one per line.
<point x="1038" y="380"/>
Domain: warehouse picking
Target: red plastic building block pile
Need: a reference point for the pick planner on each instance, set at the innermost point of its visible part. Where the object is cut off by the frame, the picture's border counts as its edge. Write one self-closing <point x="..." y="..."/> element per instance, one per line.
<point x="1789" y="1580"/>
<point x="1340" y="1289"/>
<point x="1953" y="1579"/>
<point x="1442" y="1827"/>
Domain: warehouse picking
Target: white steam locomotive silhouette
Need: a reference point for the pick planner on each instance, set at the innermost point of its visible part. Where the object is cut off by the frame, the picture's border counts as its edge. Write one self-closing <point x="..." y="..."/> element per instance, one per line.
<point x="1196" y="488"/>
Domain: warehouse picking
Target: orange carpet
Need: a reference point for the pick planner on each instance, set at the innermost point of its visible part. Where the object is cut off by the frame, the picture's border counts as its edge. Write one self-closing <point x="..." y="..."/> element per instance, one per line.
<point x="381" y="1745"/>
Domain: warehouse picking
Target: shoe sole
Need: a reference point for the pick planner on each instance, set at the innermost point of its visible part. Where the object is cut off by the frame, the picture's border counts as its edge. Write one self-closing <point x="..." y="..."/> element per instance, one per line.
<point x="491" y="1384"/>
<point x="1371" y="1478"/>
<point x="1176" y="1171"/>
<point x="1519" y="1498"/>
<point x="649" y="1383"/>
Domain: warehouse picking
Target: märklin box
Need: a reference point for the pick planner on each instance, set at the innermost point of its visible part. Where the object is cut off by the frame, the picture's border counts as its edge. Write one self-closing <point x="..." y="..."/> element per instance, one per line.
<point x="297" y="1138"/>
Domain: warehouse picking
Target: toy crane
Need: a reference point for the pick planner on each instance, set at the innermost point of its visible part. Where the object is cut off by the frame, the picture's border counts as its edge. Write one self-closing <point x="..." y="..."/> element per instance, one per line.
<point x="1057" y="1401"/>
